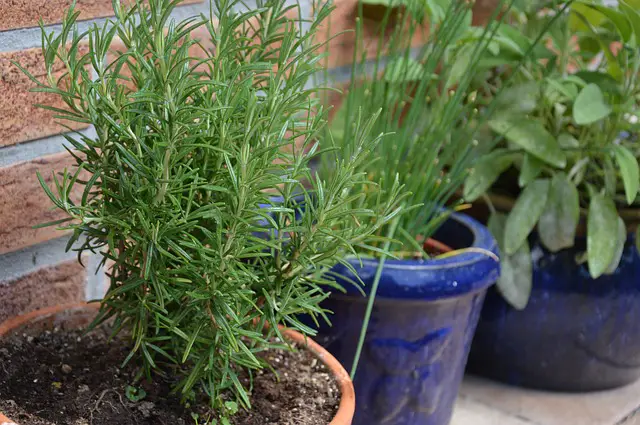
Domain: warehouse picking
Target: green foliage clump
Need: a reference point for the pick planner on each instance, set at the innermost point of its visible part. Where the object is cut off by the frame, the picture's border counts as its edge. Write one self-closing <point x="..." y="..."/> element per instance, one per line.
<point x="427" y="101"/>
<point x="198" y="153"/>
<point x="567" y="139"/>
<point x="428" y="108"/>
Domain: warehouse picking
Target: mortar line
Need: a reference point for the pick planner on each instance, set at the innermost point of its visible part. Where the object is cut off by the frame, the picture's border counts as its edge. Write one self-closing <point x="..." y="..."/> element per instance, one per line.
<point x="29" y="38"/>
<point x="33" y="149"/>
<point x="19" y="263"/>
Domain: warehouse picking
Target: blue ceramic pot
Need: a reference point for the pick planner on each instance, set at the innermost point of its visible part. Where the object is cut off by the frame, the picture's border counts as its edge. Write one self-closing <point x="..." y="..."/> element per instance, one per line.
<point x="296" y="203"/>
<point x="423" y="320"/>
<point x="576" y="334"/>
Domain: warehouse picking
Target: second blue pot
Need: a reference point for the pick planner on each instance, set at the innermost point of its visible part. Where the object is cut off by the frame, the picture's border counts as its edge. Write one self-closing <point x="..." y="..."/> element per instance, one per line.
<point x="576" y="333"/>
<point x="420" y="331"/>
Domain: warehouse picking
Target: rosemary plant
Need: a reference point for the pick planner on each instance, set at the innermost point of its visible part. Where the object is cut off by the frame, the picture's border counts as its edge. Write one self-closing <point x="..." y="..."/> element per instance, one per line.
<point x="197" y="152"/>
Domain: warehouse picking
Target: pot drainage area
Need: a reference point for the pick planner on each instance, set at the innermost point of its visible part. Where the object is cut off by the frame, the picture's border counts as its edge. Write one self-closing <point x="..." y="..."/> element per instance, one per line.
<point x="484" y="402"/>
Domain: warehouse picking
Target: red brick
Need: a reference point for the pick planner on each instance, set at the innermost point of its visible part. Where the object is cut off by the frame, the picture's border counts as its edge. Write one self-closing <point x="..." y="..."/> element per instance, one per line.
<point x="343" y="18"/>
<point x="484" y="9"/>
<point x="21" y="121"/>
<point x="47" y="287"/>
<point x="26" y="13"/>
<point x="24" y="204"/>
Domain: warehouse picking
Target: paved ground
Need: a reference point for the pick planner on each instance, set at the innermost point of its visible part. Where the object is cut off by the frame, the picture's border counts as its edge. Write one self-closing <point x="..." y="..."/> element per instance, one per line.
<point x="483" y="402"/>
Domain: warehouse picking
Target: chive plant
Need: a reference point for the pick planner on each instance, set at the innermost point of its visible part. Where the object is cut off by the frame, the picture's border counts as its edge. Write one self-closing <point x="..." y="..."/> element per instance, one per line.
<point x="427" y="106"/>
<point x="196" y="153"/>
<point x="426" y="103"/>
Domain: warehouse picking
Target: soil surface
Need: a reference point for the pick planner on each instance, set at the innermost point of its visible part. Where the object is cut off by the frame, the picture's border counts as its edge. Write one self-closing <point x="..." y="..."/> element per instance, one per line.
<point x="64" y="378"/>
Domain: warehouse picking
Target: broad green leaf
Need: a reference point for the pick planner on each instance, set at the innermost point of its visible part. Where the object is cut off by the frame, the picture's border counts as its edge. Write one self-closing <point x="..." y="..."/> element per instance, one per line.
<point x="493" y="48"/>
<point x="630" y="171"/>
<point x="559" y="110"/>
<point x="594" y="17"/>
<point x="496" y="224"/>
<point x="436" y="10"/>
<point x="512" y="39"/>
<point x="525" y="214"/>
<point x="401" y="70"/>
<point x="581" y="12"/>
<point x="488" y="61"/>
<point x="610" y="176"/>
<point x="531" y="136"/>
<point x="516" y="270"/>
<point x="567" y="141"/>
<point x="558" y="90"/>
<point x="463" y="27"/>
<point x="575" y="79"/>
<point x="634" y="18"/>
<point x="521" y="98"/>
<point x="602" y="226"/>
<point x="558" y="223"/>
<point x="485" y="173"/>
<point x="531" y="169"/>
<point x="619" y="19"/>
<point x="135" y="394"/>
<point x="461" y="64"/>
<point x="605" y="81"/>
<point x="621" y="239"/>
<point x="613" y="66"/>
<point x="590" y="106"/>
<point x="231" y="406"/>
<point x="589" y="44"/>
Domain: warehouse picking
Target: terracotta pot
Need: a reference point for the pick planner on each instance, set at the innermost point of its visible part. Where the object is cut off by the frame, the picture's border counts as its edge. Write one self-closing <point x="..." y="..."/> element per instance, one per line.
<point x="435" y="247"/>
<point x="5" y="421"/>
<point x="74" y="316"/>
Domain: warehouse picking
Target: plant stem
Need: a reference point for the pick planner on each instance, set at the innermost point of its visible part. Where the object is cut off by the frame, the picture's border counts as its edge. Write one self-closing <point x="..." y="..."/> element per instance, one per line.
<point x="564" y="54"/>
<point x="372" y="296"/>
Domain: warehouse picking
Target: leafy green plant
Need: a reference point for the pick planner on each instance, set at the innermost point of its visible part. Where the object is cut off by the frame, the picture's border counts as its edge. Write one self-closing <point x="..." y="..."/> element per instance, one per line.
<point x="191" y="146"/>
<point x="135" y="394"/>
<point x="568" y="127"/>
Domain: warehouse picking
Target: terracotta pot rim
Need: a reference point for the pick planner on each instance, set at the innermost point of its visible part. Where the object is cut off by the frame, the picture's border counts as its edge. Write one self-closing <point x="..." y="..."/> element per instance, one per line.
<point x="346" y="408"/>
<point x="437" y="246"/>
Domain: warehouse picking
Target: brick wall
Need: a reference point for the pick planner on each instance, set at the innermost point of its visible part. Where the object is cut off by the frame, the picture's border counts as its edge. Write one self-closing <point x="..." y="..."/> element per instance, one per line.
<point x="35" y="271"/>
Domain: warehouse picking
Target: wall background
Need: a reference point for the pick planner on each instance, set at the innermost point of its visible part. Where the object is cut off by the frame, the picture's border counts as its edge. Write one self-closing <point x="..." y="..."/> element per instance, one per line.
<point x="35" y="271"/>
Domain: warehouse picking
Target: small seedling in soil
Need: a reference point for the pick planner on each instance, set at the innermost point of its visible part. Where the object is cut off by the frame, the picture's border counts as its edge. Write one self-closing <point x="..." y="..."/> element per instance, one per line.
<point x="135" y="394"/>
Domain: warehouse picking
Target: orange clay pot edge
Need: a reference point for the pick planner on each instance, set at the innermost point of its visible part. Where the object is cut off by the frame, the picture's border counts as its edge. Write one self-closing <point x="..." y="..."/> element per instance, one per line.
<point x="346" y="408"/>
<point x="437" y="246"/>
<point x="5" y="421"/>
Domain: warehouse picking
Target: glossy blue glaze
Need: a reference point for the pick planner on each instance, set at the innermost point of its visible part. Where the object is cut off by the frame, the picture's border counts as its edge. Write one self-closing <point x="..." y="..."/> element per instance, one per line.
<point x="296" y="203"/>
<point x="420" y="330"/>
<point x="576" y="334"/>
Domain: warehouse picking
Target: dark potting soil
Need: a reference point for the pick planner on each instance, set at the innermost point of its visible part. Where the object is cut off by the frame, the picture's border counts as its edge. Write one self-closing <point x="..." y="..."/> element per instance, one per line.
<point x="65" y="378"/>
